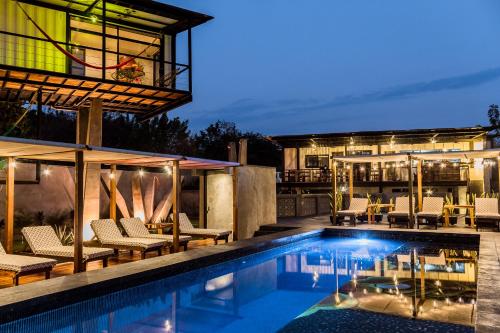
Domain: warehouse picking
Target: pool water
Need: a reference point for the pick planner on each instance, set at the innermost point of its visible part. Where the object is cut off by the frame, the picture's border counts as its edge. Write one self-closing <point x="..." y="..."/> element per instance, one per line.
<point x="317" y="285"/>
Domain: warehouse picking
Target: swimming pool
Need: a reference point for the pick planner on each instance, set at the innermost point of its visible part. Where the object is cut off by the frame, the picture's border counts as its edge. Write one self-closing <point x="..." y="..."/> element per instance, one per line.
<point x="341" y="284"/>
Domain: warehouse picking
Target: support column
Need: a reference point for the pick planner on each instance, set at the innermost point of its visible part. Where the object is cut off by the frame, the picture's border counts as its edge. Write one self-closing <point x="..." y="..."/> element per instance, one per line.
<point x="89" y="132"/>
<point x="78" y="214"/>
<point x="419" y="185"/>
<point x="235" y="204"/>
<point x="112" y="192"/>
<point x="351" y="180"/>
<point x="202" y="221"/>
<point x="9" y="206"/>
<point x="334" y="191"/>
<point x="410" y="191"/>
<point x="243" y="152"/>
<point x="498" y="168"/>
<point x="176" y="202"/>
<point x="232" y="155"/>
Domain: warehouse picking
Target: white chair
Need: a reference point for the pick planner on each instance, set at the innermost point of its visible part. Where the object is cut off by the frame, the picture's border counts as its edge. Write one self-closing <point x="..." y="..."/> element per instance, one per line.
<point x="187" y="228"/>
<point x="357" y="208"/>
<point x="401" y="213"/>
<point x="134" y="227"/>
<point x="432" y="212"/>
<point x="43" y="241"/>
<point x="486" y="213"/>
<point x="109" y="235"/>
<point x="24" y="265"/>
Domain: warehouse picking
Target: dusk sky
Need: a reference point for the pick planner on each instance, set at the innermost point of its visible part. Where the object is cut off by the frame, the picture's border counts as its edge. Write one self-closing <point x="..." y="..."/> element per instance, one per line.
<point x="297" y="66"/>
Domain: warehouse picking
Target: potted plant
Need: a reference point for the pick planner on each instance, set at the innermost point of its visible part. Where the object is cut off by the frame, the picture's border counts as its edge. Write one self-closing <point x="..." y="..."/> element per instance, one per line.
<point x="377" y="213"/>
<point x="338" y="201"/>
<point x="453" y="218"/>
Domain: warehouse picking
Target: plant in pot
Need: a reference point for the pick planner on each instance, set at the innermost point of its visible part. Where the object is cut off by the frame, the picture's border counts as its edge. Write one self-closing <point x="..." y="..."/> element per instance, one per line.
<point x="338" y="202"/>
<point x="377" y="213"/>
<point x="453" y="217"/>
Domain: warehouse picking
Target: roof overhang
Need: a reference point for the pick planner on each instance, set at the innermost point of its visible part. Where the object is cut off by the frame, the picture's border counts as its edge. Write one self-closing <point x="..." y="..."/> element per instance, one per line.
<point x="144" y="14"/>
<point x="430" y="156"/>
<point x="65" y="152"/>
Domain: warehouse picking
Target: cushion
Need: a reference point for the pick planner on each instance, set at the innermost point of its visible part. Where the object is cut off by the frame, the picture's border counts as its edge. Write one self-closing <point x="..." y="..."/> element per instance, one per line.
<point x="433" y="206"/>
<point x="212" y="232"/>
<point x="487" y="206"/>
<point x="89" y="253"/>
<point x="41" y="237"/>
<point x="18" y="264"/>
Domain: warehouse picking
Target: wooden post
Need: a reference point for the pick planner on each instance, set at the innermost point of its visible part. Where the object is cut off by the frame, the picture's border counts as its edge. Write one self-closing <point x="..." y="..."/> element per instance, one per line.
<point x="498" y="169"/>
<point x="419" y="185"/>
<point x="9" y="206"/>
<point x="176" y="202"/>
<point x="231" y="151"/>
<point x="78" y="214"/>
<point x="112" y="192"/>
<point x="202" y="201"/>
<point x="410" y="190"/>
<point x="334" y="191"/>
<point x="351" y="180"/>
<point x="235" y="204"/>
<point x="243" y="152"/>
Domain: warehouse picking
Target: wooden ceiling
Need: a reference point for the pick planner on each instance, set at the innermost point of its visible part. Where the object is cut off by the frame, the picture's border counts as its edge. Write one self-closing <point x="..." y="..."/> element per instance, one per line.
<point x="65" y="92"/>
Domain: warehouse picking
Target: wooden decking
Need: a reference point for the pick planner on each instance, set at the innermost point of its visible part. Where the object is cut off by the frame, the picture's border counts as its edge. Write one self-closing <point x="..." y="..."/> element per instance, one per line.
<point x="66" y="268"/>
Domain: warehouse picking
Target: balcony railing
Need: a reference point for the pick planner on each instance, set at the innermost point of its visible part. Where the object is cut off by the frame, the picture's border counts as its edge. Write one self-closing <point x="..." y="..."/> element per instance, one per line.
<point x="37" y="53"/>
<point x="430" y="174"/>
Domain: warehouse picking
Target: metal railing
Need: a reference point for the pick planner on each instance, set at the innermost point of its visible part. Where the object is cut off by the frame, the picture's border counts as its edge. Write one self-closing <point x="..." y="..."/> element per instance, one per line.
<point x="365" y="173"/>
<point x="37" y="53"/>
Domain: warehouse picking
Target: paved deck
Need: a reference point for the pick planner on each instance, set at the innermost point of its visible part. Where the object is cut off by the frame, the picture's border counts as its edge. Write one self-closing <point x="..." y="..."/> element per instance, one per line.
<point x="488" y="284"/>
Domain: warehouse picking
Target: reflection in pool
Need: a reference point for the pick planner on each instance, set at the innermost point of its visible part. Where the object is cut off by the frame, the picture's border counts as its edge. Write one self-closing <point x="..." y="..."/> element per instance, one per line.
<point x="369" y="283"/>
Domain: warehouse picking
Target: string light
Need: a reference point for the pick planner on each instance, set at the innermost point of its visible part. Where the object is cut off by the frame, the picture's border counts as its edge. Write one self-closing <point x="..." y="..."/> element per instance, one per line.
<point x="141" y="172"/>
<point x="112" y="175"/>
<point x="429" y="192"/>
<point x="168" y="170"/>
<point x="442" y="165"/>
<point x="46" y="171"/>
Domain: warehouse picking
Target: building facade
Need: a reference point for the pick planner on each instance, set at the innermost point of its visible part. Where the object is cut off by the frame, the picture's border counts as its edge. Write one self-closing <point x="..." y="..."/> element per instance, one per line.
<point x="305" y="178"/>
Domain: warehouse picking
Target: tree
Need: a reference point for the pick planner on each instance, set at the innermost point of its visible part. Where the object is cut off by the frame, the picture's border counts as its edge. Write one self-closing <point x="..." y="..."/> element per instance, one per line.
<point x="494" y="118"/>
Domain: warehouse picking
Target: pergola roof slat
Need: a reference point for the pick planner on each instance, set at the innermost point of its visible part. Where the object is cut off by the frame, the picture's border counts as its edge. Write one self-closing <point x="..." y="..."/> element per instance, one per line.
<point x="65" y="152"/>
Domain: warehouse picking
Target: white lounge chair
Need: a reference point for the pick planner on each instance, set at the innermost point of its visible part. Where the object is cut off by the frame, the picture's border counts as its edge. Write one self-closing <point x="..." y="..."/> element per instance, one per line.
<point x="187" y="228"/>
<point x="109" y="235"/>
<point x="432" y="212"/>
<point x="357" y="208"/>
<point x="43" y="241"/>
<point x="401" y="213"/>
<point x="134" y="227"/>
<point x="24" y="265"/>
<point x="486" y="213"/>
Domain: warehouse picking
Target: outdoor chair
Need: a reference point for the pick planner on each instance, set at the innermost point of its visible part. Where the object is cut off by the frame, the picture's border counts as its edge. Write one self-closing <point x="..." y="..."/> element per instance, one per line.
<point x="187" y="228"/>
<point x="357" y="208"/>
<point x="486" y="210"/>
<point x="109" y="235"/>
<point x="24" y="265"/>
<point x="401" y="213"/>
<point x="432" y="212"/>
<point x="43" y="241"/>
<point x="134" y="227"/>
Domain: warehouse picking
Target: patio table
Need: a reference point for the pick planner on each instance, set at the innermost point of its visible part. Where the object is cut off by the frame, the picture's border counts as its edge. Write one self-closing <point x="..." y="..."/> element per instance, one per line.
<point x="371" y="209"/>
<point x="158" y="226"/>
<point x="449" y="208"/>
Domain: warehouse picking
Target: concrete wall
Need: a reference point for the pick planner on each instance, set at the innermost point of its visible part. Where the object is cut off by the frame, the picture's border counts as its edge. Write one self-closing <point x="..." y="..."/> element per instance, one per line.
<point x="219" y="201"/>
<point x="256" y="199"/>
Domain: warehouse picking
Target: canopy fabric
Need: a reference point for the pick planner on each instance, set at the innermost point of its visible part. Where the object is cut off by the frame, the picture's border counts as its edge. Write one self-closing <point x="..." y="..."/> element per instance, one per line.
<point x="451" y="155"/>
<point x="65" y="152"/>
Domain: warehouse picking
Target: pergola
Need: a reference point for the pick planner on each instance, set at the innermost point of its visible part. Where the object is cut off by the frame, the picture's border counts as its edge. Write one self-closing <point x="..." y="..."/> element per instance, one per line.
<point x="79" y="155"/>
<point x="409" y="159"/>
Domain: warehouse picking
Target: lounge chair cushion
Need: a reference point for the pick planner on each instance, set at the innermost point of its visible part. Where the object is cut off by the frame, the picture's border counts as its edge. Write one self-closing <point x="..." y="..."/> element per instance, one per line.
<point x="486" y="206"/>
<point x="396" y="213"/>
<point x="18" y="264"/>
<point x="108" y="234"/>
<point x="186" y="227"/>
<point x="358" y="204"/>
<point x="89" y="253"/>
<point x="488" y="216"/>
<point x="134" y="227"/>
<point x="432" y="207"/>
<point x="349" y="212"/>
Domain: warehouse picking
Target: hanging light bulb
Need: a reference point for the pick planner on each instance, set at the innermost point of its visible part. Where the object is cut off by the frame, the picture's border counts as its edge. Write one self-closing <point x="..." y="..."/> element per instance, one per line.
<point x="167" y="169"/>
<point x="111" y="175"/>
<point x="141" y="172"/>
<point x="46" y="171"/>
<point x="442" y="165"/>
<point x="365" y="291"/>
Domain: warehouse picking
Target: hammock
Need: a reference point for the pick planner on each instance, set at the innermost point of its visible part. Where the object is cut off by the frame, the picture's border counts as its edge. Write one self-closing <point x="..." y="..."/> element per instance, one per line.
<point x="73" y="57"/>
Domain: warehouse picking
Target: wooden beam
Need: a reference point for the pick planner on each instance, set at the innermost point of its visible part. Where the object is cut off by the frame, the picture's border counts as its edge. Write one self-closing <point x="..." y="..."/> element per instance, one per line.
<point x="351" y="180"/>
<point x="235" y="204"/>
<point x="112" y="192"/>
<point x="410" y="190"/>
<point x="201" y="202"/>
<point x="176" y="202"/>
<point x="243" y="152"/>
<point x="9" y="206"/>
<point x="78" y="215"/>
<point x="419" y="185"/>
<point x="334" y="190"/>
